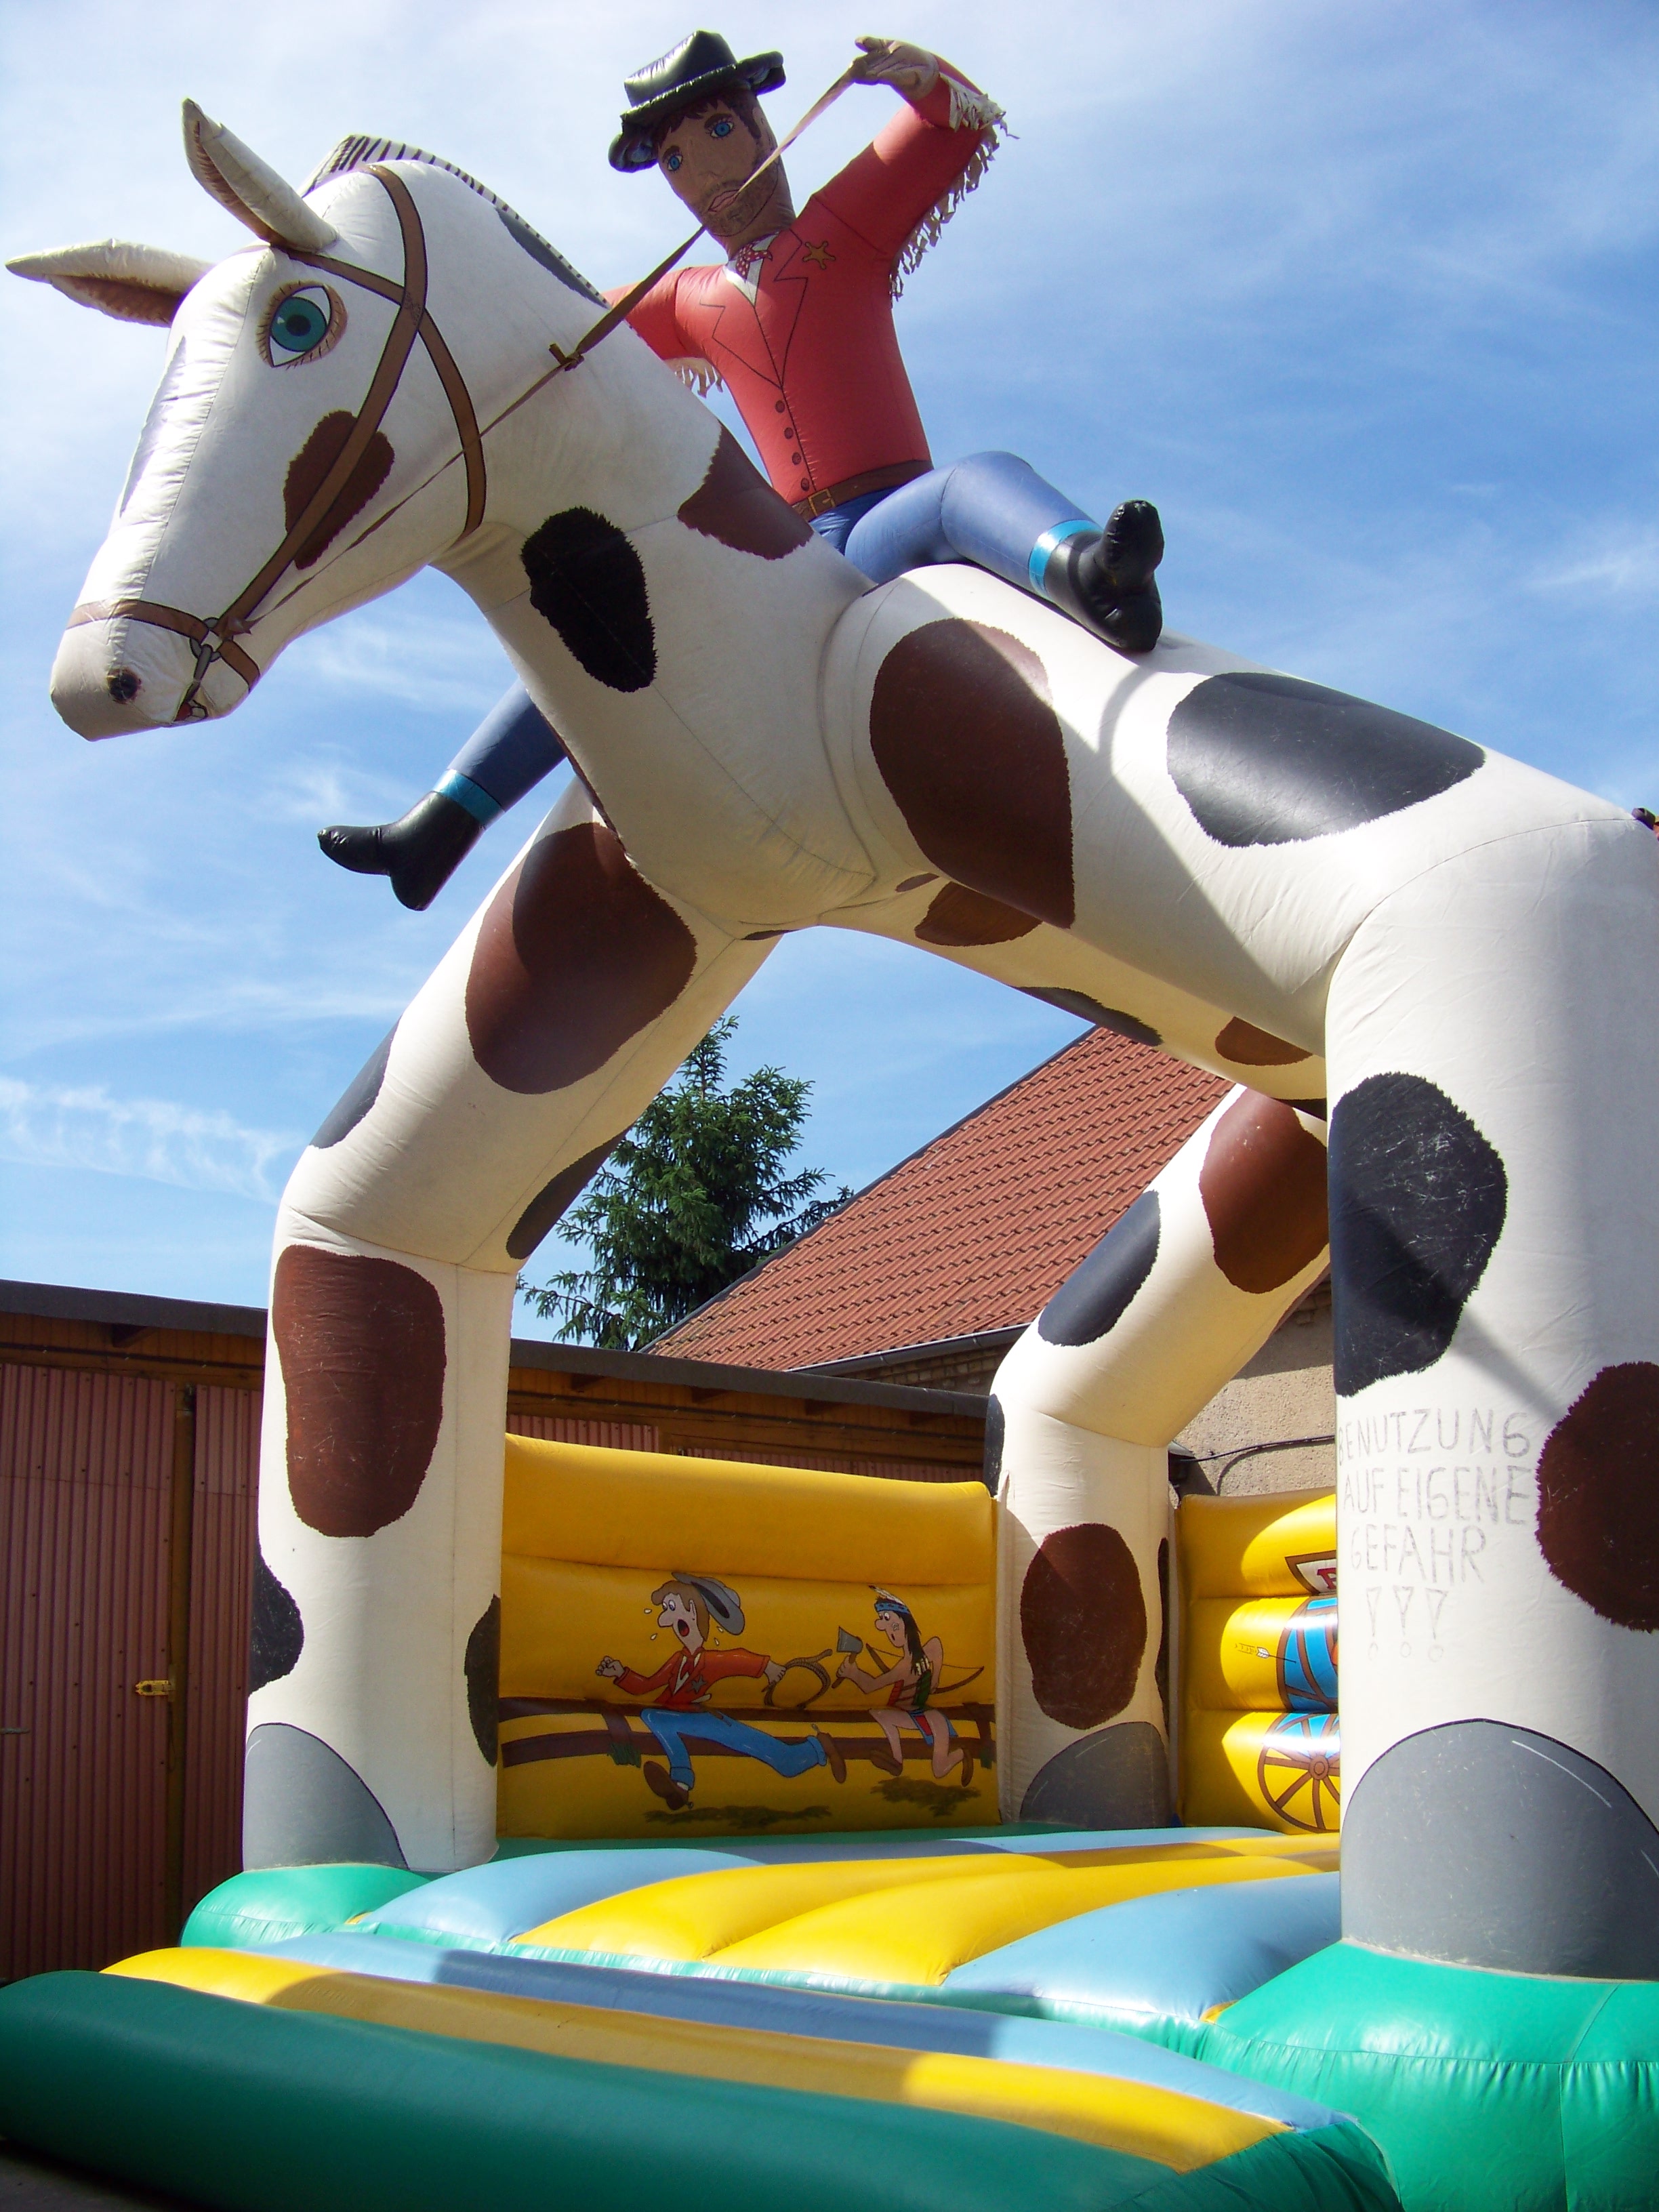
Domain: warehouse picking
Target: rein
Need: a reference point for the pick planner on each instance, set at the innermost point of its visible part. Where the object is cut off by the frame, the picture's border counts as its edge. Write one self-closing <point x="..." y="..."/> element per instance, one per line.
<point x="624" y="307"/>
<point x="215" y="639"/>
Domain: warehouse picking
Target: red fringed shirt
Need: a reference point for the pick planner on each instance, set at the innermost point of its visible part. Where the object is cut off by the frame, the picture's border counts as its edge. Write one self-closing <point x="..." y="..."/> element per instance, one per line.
<point x="807" y="345"/>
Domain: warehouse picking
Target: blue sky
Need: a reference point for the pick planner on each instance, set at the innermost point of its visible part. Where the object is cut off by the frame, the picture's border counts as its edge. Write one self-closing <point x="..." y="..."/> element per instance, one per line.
<point x="1363" y="299"/>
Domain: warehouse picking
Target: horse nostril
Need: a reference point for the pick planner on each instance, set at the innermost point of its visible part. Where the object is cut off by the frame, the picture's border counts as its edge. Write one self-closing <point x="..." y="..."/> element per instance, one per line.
<point x="122" y="685"/>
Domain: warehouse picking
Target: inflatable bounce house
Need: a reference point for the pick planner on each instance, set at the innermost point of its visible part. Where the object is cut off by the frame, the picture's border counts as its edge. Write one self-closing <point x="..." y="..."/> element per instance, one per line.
<point x="636" y="1824"/>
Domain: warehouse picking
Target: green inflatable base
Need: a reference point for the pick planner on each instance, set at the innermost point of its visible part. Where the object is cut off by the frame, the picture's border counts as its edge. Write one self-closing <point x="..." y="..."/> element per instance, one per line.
<point x="249" y="2108"/>
<point x="1489" y="2092"/>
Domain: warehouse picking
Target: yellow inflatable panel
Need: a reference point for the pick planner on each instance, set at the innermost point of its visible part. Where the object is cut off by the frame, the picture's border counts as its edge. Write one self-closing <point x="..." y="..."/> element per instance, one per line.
<point x="561" y="1617"/>
<point x="1239" y="1547"/>
<point x="1238" y="1658"/>
<point x="888" y="1920"/>
<point x="1178" y="2131"/>
<point x="918" y="1940"/>
<point x="726" y="1517"/>
<point x="1282" y="1768"/>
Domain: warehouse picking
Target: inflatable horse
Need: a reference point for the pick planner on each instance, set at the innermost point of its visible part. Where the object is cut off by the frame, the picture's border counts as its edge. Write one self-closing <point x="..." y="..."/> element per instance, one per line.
<point x="1256" y="874"/>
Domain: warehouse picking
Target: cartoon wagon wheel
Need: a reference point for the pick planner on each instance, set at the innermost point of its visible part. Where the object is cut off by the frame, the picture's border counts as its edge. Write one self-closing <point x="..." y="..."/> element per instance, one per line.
<point x="1299" y="1771"/>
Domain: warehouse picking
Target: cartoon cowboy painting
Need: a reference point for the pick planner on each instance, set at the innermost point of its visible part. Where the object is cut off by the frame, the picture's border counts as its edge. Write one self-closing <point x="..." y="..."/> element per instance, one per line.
<point x="682" y="1684"/>
<point x="798" y="323"/>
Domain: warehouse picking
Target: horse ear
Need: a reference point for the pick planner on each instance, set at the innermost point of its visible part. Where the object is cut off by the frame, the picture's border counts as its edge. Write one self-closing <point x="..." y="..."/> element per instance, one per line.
<point x="255" y="195"/>
<point x="134" y="283"/>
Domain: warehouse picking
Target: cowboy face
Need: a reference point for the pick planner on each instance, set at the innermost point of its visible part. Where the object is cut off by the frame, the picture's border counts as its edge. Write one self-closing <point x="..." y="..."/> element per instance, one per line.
<point x="680" y="1615"/>
<point x="706" y="158"/>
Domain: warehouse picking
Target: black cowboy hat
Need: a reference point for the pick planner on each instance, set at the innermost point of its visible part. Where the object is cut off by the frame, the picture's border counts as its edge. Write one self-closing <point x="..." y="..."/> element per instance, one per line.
<point x="699" y="67"/>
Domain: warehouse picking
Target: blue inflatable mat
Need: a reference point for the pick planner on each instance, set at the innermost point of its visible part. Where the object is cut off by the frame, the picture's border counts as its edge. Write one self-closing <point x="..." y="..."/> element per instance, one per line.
<point x="798" y="2012"/>
<point x="485" y="1906"/>
<point x="1158" y="1961"/>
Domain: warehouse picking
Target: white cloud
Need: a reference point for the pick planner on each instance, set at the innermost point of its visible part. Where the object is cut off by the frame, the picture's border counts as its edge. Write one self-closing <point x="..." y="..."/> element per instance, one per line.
<point x="42" y="1126"/>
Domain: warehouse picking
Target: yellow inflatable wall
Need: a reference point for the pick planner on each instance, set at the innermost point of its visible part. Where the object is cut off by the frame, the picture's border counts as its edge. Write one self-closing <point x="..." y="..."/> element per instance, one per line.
<point x="669" y="1663"/>
<point x="1259" y="1734"/>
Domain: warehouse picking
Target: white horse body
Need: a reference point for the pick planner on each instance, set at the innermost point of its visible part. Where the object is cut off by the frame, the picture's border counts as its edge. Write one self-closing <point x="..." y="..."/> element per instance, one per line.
<point x="942" y="761"/>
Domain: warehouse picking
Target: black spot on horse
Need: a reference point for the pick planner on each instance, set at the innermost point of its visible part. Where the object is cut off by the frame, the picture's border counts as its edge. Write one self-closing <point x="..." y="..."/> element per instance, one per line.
<point x="1096" y="1294"/>
<point x="1269" y="760"/>
<point x="551" y="1200"/>
<point x="1417" y="1201"/>
<point x="279" y="1634"/>
<point x="588" y="582"/>
<point x="996" y="1430"/>
<point x="358" y="1096"/>
<point x="550" y="259"/>
<point x="1091" y="1009"/>
<point x="483" y="1674"/>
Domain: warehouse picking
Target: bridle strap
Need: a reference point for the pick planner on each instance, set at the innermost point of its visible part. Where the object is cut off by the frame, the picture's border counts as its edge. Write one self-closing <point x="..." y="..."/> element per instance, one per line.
<point x="215" y="639"/>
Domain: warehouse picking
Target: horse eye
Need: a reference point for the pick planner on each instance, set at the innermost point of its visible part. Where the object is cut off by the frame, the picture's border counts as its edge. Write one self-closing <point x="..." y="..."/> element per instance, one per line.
<point x="301" y="322"/>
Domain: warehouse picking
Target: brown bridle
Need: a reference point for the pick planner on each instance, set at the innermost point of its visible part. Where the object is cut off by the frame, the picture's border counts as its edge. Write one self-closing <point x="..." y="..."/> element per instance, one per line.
<point x="214" y="638"/>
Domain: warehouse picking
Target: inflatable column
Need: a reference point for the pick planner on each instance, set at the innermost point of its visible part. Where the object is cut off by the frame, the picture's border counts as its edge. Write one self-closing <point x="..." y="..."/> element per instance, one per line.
<point x="559" y="1013"/>
<point x="1166" y="1309"/>
<point x="1494" y="1059"/>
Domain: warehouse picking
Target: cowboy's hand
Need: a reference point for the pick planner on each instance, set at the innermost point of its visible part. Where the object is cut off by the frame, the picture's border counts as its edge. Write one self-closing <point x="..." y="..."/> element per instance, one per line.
<point x="909" y="69"/>
<point x="612" y="1669"/>
<point x="772" y="1671"/>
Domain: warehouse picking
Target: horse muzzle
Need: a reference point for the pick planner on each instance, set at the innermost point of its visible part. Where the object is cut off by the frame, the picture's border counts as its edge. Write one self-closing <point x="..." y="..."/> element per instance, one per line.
<point x="118" y="671"/>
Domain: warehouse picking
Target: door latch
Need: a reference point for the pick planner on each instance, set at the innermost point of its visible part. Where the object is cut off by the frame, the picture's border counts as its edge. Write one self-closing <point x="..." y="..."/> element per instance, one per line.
<point x="153" y="1689"/>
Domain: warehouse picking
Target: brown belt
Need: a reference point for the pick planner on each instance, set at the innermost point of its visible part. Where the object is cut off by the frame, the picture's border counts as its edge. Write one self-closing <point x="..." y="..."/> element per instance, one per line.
<point x="888" y="479"/>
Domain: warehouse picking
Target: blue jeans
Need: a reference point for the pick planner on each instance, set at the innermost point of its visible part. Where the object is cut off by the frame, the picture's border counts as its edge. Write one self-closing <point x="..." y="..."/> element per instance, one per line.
<point x="671" y="1729"/>
<point x="993" y="509"/>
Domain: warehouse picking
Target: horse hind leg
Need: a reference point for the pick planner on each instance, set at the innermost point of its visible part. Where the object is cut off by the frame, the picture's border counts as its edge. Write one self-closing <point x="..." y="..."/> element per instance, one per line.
<point x="1186" y="1286"/>
<point x="557" y="1016"/>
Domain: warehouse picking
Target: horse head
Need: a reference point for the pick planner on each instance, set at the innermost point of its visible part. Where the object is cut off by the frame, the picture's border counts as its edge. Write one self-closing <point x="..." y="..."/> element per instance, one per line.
<point x="317" y="433"/>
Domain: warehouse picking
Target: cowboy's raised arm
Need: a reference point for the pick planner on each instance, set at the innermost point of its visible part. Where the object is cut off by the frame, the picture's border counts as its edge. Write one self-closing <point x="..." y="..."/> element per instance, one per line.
<point x="898" y="194"/>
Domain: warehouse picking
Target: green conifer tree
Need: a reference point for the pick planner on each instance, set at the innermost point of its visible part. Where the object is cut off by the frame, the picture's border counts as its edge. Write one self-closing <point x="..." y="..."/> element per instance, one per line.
<point x="690" y="1198"/>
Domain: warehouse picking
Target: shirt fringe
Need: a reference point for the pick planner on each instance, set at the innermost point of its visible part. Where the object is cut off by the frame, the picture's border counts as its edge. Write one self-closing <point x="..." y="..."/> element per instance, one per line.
<point x="970" y="110"/>
<point x="699" y="376"/>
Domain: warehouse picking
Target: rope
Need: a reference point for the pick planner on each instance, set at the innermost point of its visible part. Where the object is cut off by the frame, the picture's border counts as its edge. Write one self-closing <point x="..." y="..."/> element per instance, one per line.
<point x="624" y="307"/>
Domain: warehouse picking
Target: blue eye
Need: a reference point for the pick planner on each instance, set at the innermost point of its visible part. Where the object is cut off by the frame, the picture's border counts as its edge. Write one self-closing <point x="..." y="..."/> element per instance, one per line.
<point x="671" y="163"/>
<point x="301" y="323"/>
<point x="722" y="129"/>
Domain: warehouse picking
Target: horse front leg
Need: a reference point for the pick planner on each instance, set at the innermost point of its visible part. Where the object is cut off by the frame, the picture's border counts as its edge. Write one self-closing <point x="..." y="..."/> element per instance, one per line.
<point x="556" y="1017"/>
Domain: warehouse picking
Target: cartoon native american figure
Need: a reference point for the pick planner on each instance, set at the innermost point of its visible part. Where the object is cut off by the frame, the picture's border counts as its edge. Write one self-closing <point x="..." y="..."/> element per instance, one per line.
<point x="681" y="1688"/>
<point x="797" y="323"/>
<point x="909" y="1682"/>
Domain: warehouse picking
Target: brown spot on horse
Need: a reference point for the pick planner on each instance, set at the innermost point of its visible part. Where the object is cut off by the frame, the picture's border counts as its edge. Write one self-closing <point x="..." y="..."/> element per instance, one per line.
<point x="361" y="1342"/>
<point x="1598" y="1496"/>
<point x="1263" y="1185"/>
<point x="1082" y="1622"/>
<point x="735" y="504"/>
<point x="576" y="955"/>
<point x="968" y="742"/>
<point x="311" y="464"/>
<point x="959" y="916"/>
<point x="1246" y="1046"/>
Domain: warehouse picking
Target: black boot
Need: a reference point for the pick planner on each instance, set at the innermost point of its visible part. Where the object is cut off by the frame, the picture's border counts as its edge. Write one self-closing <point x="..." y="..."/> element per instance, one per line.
<point x="1106" y="582"/>
<point x="420" y="853"/>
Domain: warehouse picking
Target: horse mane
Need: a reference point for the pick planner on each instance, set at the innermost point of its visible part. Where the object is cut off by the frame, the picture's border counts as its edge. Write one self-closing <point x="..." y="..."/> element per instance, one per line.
<point x="359" y="152"/>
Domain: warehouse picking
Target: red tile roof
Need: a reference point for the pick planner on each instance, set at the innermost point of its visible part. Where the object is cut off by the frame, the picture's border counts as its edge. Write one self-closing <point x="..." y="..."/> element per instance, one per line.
<point x="976" y="1230"/>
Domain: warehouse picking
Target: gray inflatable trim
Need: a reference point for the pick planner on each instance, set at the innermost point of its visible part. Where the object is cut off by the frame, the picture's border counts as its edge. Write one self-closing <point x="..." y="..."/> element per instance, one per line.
<point x="1118" y="1777"/>
<point x="303" y="1805"/>
<point x="1478" y="1844"/>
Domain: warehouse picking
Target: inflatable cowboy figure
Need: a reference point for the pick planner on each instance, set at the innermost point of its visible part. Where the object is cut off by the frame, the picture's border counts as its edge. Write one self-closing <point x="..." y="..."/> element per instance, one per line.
<point x="798" y="323"/>
<point x="681" y="1684"/>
